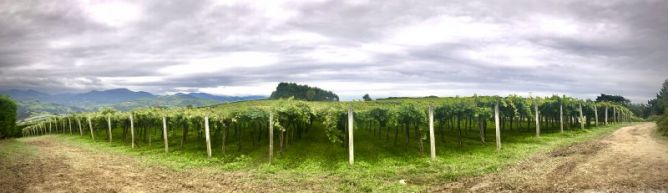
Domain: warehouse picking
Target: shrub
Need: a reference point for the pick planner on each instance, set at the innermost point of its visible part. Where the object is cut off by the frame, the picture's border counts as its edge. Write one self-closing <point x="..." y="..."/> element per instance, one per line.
<point x="8" y="118"/>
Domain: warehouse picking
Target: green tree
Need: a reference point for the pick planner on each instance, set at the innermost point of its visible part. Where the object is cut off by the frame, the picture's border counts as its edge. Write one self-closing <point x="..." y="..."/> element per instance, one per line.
<point x="613" y="98"/>
<point x="366" y="97"/>
<point x="303" y="92"/>
<point x="8" y="118"/>
<point x="661" y="102"/>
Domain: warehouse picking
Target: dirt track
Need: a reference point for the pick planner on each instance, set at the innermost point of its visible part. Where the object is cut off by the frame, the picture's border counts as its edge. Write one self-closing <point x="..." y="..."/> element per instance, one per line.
<point x="63" y="168"/>
<point x="629" y="160"/>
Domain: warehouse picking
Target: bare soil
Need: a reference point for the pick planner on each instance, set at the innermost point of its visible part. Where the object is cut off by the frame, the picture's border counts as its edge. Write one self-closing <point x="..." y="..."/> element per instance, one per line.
<point x="58" y="167"/>
<point x="632" y="159"/>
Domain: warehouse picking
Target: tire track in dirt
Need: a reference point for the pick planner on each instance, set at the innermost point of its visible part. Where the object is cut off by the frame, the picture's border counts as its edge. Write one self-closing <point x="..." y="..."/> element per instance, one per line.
<point x="629" y="160"/>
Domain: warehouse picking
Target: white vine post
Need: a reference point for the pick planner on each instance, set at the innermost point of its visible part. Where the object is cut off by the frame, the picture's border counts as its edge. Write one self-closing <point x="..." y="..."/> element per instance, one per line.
<point x="132" y="131"/>
<point x="581" y="119"/>
<point x="109" y="126"/>
<point x="208" y="137"/>
<point x="537" y="119"/>
<point x="614" y="115"/>
<point x="70" y="124"/>
<point x="164" y="133"/>
<point x="271" y="136"/>
<point x="606" y="115"/>
<point x="432" y="142"/>
<point x="498" y="127"/>
<point x="90" y="125"/>
<point x="351" y="149"/>
<point x="49" y="126"/>
<point x="596" y="114"/>
<point x="561" y="116"/>
<point x="79" y="123"/>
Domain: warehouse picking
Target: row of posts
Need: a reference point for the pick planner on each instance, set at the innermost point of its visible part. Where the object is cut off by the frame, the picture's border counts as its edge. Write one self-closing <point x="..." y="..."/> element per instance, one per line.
<point x="42" y="129"/>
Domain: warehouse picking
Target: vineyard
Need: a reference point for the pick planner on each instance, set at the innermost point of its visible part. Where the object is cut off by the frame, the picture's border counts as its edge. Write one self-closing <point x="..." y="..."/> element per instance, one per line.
<point x="416" y="125"/>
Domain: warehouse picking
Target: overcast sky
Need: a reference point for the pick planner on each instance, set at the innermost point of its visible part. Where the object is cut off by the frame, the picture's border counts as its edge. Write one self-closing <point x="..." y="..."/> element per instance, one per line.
<point x="384" y="48"/>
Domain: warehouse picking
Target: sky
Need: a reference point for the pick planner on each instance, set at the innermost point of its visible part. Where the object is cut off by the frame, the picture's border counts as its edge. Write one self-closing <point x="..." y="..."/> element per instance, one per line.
<point x="352" y="47"/>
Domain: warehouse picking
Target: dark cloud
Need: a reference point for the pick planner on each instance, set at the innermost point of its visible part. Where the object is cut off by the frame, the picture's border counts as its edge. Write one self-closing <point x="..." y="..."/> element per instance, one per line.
<point x="384" y="48"/>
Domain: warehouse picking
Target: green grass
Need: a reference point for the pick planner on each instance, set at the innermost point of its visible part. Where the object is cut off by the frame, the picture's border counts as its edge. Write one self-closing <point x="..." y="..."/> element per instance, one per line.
<point x="379" y="165"/>
<point x="14" y="150"/>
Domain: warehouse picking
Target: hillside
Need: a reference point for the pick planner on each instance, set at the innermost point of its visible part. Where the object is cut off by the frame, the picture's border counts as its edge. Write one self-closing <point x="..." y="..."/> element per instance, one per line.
<point x="35" y="103"/>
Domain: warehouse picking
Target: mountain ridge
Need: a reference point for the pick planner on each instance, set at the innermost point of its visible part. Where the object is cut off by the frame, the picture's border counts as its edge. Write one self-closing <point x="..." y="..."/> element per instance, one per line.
<point x="31" y="102"/>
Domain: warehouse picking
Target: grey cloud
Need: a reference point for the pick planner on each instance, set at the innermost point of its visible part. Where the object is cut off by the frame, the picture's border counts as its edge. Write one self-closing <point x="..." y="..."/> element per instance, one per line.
<point x="169" y="33"/>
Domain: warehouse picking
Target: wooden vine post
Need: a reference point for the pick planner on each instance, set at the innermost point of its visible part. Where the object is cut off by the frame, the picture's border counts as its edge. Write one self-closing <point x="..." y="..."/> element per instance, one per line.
<point x="537" y="120"/>
<point x="164" y="133"/>
<point x="208" y="137"/>
<point x="109" y="126"/>
<point x="132" y="131"/>
<point x="90" y="125"/>
<point x="351" y="149"/>
<point x="271" y="136"/>
<point x="561" y="116"/>
<point x="49" y="126"/>
<point x="432" y="142"/>
<point x="497" y="126"/>
<point x="596" y="115"/>
<point x="581" y="119"/>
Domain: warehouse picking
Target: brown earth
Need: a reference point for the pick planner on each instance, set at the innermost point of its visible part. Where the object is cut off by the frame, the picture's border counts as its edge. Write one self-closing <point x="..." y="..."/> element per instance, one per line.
<point x="59" y="167"/>
<point x="632" y="159"/>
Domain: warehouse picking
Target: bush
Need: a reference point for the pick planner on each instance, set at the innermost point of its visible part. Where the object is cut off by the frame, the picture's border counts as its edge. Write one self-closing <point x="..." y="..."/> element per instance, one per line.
<point x="662" y="124"/>
<point x="8" y="118"/>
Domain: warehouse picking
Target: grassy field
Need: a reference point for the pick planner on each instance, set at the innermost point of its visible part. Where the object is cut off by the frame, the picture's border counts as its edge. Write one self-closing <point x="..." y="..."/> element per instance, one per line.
<point x="379" y="166"/>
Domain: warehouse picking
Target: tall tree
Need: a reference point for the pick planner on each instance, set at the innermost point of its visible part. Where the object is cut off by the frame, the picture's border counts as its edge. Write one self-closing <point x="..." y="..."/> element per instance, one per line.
<point x="366" y="97"/>
<point x="613" y="98"/>
<point x="8" y="118"/>
<point x="659" y="105"/>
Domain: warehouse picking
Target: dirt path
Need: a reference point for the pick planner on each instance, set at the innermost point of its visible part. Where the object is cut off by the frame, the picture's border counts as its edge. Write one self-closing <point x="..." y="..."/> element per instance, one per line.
<point x="58" y="167"/>
<point x="629" y="160"/>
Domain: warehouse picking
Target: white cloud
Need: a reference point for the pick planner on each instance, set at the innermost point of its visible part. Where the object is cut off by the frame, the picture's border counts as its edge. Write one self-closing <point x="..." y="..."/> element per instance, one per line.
<point x="112" y="13"/>
<point x="217" y="64"/>
<point x="338" y="54"/>
<point x="443" y="29"/>
<point x="514" y="54"/>
<point x="252" y="89"/>
<point x="299" y="38"/>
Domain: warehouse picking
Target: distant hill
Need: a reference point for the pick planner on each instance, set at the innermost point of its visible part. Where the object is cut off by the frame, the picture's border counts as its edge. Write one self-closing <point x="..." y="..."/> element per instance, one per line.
<point x="163" y="101"/>
<point x="303" y="92"/>
<point x="30" y="108"/>
<point x="32" y="103"/>
<point x="89" y="98"/>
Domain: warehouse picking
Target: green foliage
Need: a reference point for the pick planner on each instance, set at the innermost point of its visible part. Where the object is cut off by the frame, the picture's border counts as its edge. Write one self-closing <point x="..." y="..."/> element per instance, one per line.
<point x="302" y="92"/>
<point x="662" y="124"/>
<point x="660" y="103"/>
<point x="335" y="124"/>
<point x="613" y="99"/>
<point x="366" y="97"/>
<point x="8" y="118"/>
